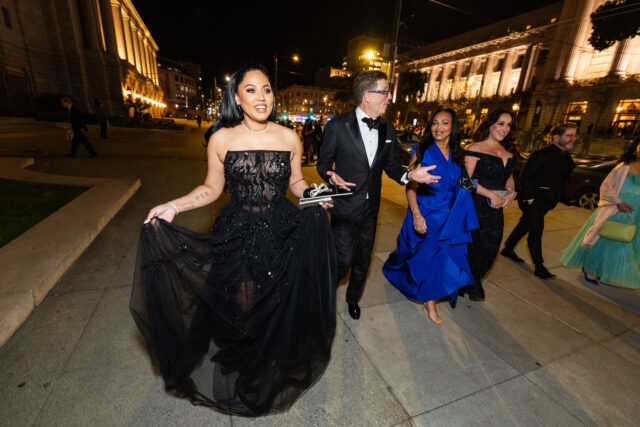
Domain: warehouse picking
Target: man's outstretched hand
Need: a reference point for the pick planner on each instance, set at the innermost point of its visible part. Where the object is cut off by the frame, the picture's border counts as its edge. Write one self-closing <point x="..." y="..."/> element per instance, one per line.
<point x="421" y="174"/>
<point x="338" y="181"/>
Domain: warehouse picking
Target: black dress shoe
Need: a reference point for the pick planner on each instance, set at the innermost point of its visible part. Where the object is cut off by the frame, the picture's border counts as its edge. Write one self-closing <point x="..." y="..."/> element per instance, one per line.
<point x="354" y="311"/>
<point x="543" y="273"/>
<point x="476" y="293"/>
<point x="511" y="255"/>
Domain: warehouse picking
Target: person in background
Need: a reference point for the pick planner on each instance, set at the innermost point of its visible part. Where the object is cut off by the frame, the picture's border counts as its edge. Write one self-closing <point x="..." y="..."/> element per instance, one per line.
<point x="79" y="128"/>
<point x="101" y="116"/>
<point x="610" y="261"/>
<point x="490" y="160"/>
<point x="542" y="184"/>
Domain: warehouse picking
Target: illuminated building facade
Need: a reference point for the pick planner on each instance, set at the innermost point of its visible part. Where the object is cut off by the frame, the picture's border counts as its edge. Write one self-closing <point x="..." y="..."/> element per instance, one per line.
<point x="541" y="65"/>
<point x="367" y="54"/>
<point x="88" y="49"/>
<point x="334" y="78"/>
<point x="180" y="82"/>
<point x="298" y="102"/>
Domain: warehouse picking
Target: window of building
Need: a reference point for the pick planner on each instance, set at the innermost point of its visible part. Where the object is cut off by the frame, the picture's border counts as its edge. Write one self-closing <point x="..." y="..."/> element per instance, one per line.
<point x="518" y="62"/>
<point x="626" y="119"/>
<point x="575" y="111"/>
<point x="176" y="78"/>
<point x="543" y="53"/>
<point x="7" y="18"/>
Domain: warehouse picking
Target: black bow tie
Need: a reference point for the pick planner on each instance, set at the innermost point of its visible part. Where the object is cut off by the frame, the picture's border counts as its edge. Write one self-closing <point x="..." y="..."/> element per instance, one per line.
<point x="372" y="123"/>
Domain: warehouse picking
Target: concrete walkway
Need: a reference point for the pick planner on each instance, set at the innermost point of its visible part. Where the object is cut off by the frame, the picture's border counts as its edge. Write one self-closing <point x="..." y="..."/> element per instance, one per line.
<point x="559" y="352"/>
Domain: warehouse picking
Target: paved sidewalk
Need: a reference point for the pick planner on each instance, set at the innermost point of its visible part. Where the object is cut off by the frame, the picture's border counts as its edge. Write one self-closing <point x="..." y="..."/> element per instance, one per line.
<point x="559" y="352"/>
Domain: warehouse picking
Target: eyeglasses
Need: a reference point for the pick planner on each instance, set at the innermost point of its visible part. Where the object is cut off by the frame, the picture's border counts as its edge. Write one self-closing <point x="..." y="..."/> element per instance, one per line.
<point x="383" y="92"/>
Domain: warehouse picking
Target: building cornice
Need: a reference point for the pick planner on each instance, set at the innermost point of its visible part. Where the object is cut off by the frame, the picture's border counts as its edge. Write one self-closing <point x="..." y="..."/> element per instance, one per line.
<point x="131" y="10"/>
<point x="496" y="45"/>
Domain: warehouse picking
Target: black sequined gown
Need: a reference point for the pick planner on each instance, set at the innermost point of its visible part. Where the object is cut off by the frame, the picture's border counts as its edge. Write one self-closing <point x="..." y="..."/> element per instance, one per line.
<point x="240" y="319"/>
<point x="492" y="173"/>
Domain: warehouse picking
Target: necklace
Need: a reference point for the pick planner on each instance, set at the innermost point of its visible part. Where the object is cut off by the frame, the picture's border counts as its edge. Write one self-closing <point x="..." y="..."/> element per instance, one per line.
<point x="255" y="132"/>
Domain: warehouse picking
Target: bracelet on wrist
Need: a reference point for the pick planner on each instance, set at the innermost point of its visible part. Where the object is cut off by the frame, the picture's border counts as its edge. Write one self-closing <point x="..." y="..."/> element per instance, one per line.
<point x="174" y="207"/>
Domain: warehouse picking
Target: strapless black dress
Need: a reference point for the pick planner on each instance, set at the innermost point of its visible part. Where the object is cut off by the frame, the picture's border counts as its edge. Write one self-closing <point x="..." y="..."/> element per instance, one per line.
<point x="241" y="319"/>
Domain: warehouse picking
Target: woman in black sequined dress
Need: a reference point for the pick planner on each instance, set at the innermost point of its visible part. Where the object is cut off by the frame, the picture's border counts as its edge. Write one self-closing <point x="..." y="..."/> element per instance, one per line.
<point x="491" y="161"/>
<point x="241" y="319"/>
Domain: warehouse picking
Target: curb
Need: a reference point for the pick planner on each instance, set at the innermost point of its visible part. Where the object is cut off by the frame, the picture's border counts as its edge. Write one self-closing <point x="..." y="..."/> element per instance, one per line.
<point x="32" y="263"/>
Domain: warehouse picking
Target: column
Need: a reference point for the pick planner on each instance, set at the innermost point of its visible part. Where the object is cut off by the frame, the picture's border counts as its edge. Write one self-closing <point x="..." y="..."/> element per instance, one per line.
<point x="107" y="26"/>
<point x="143" y="54"/>
<point x="456" y="90"/>
<point x="136" y="45"/>
<point x="488" y="73"/>
<point x="505" y="74"/>
<point x="126" y="29"/>
<point x="117" y="29"/>
<point x="154" y="67"/>
<point x="581" y="35"/>
<point x="442" y="90"/>
<point x="526" y="73"/>
<point x="621" y="58"/>
<point x="432" y="96"/>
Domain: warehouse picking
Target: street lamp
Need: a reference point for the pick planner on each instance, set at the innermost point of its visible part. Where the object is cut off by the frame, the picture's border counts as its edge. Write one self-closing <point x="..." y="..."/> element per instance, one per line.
<point x="294" y="58"/>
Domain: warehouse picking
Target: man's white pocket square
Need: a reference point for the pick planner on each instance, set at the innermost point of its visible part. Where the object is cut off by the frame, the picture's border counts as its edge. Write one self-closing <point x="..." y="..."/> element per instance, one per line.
<point x="388" y="141"/>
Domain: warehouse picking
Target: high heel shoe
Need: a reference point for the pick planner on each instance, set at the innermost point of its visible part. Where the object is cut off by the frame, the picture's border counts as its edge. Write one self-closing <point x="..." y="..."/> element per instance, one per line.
<point x="588" y="279"/>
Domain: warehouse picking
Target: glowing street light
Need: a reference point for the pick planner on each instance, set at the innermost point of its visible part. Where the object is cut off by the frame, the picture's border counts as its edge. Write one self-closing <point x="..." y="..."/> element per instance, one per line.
<point x="370" y="54"/>
<point x="294" y="58"/>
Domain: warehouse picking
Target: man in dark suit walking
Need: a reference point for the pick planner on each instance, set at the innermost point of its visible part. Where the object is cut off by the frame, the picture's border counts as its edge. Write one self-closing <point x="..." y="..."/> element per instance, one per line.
<point x="542" y="184"/>
<point x="79" y="128"/>
<point x="356" y="148"/>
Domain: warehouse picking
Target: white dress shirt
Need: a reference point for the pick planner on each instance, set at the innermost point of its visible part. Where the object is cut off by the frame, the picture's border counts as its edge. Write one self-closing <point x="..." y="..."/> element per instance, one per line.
<point x="369" y="136"/>
<point x="370" y="139"/>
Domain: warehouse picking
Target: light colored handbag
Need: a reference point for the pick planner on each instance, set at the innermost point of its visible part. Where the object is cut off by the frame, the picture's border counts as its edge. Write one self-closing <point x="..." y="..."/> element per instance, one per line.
<point x="618" y="230"/>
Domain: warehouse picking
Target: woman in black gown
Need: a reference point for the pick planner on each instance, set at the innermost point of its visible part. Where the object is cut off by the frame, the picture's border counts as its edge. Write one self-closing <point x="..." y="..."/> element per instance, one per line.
<point x="491" y="161"/>
<point x="241" y="319"/>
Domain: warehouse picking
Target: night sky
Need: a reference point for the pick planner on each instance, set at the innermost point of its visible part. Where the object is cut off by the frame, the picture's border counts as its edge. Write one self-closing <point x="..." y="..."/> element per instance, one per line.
<point x="222" y="35"/>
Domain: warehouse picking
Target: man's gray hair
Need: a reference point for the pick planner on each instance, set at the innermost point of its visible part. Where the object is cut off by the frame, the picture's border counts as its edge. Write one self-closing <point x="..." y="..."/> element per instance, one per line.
<point x="365" y="81"/>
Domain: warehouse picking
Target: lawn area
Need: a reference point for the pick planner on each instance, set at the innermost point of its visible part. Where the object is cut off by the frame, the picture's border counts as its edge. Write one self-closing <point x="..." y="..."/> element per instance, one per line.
<point x="24" y="204"/>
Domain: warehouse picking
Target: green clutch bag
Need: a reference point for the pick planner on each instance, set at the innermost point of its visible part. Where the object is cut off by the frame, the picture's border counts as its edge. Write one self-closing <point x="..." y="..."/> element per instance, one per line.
<point x="618" y="230"/>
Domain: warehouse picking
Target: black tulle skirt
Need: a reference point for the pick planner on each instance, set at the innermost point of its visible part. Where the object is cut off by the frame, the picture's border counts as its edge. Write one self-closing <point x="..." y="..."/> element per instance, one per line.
<point x="241" y="319"/>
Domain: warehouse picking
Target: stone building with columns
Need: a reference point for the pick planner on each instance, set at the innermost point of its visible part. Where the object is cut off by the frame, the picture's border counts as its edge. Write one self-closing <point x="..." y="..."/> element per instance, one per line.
<point x="92" y="50"/>
<point x="541" y="65"/>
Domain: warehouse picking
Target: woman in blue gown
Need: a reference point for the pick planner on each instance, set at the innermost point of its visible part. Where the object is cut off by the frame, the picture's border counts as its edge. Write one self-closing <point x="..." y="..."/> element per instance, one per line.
<point x="431" y="259"/>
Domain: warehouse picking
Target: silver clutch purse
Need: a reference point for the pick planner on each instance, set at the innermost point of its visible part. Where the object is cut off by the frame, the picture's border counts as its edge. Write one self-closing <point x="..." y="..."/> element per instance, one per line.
<point x="322" y="194"/>
<point x="501" y="193"/>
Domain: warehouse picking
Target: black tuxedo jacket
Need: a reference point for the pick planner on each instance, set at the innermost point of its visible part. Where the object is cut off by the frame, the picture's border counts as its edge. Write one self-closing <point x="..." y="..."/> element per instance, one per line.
<point x="544" y="176"/>
<point x="343" y="151"/>
<point x="76" y="118"/>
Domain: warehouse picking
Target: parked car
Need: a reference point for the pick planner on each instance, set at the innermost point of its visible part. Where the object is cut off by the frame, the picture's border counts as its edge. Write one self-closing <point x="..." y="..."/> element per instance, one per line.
<point x="583" y="186"/>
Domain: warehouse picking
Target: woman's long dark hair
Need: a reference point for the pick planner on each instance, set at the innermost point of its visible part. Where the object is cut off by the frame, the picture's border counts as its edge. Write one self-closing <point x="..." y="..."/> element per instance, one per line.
<point x="629" y="153"/>
<point x="482" y="131"/>
<point x="454" y="138"/>
<point x="231" y="114"/>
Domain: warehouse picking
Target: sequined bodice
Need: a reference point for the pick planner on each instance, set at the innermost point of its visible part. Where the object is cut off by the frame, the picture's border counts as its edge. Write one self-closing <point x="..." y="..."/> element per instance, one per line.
<point x="257" y="178"/>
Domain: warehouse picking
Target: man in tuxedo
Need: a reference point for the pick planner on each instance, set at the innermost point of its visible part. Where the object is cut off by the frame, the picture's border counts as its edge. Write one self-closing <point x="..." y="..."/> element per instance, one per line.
<point x="356" y="148"/>
<point x="542" y="185"/>
<point x="79" y="128"/>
